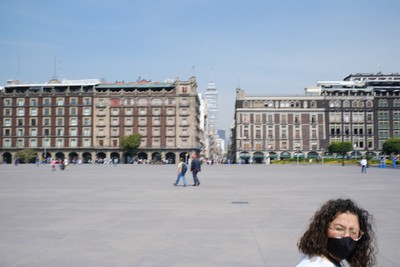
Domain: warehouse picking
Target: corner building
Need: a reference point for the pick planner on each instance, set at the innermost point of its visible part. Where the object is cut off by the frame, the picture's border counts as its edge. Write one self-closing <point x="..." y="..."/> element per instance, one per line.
<point x="85" y="119"/>
<point x="363" y="109"/>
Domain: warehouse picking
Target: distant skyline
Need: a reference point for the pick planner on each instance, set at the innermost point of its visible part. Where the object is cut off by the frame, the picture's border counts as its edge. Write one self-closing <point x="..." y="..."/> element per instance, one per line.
<point x="263" y="47"/>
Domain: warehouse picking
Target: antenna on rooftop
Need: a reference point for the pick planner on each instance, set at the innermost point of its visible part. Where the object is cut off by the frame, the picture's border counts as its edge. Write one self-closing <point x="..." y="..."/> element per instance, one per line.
<point x="18" y="69"/>
<point x="55" y="68"/>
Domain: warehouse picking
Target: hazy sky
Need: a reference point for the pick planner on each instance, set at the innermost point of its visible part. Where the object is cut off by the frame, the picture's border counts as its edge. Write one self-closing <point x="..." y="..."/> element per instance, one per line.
<point x="264" y="47"/>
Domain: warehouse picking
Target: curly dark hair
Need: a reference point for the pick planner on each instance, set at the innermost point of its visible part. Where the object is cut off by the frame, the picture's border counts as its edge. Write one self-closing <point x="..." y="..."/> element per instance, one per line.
<point x="314" y="241"/>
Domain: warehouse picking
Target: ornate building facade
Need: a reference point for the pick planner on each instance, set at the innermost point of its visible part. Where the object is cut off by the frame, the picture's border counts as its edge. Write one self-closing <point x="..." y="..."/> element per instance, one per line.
<point x="84" y="120"/>
<point x="363" y="109"/>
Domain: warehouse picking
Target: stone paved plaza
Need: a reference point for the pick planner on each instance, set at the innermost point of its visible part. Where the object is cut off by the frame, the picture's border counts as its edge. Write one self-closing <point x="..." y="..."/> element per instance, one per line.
<point x="132" y="215"/>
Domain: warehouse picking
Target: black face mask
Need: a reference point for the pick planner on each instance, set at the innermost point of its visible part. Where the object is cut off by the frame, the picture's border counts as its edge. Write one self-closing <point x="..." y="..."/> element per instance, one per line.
<point x="341" y="247"/>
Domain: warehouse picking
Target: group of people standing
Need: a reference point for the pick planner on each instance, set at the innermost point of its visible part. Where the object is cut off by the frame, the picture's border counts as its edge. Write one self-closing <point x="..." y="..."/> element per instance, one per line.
<point x="195" y="168"/>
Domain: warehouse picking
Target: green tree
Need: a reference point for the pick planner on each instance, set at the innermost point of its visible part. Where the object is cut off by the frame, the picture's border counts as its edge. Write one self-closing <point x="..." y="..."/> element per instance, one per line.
<point x="131" y="142"/>
<point x="391" y="145"/>
<point x="340" y="148"/>
<point x="26" y="155"/>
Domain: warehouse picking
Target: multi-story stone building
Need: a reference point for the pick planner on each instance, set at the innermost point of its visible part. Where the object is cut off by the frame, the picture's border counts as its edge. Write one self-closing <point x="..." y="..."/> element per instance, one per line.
<point x="363" y="109"/>
<point x="85" y="119"/>
<point x="271" y="127"/>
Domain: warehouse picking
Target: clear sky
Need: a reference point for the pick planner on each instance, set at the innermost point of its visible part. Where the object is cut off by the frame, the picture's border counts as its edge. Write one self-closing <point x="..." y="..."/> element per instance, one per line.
<point x="262" y="46"/>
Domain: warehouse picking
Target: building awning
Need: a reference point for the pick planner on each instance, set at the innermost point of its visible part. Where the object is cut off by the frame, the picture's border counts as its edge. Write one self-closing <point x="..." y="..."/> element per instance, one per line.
<point x="258" y="156"/>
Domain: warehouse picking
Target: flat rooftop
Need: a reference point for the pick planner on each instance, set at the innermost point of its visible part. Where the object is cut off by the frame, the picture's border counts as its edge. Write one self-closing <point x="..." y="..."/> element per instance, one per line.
<point x="132" y="215"/>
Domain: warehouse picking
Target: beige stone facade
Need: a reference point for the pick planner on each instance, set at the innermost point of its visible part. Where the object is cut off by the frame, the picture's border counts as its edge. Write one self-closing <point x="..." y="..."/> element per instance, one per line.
<point x="84" y="120"/>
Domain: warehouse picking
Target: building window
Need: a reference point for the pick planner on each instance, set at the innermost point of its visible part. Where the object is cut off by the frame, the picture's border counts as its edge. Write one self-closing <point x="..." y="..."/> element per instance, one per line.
<point x="170" y="111"/>
<point x="73" y="111"/>
<point x="313" y="118"/>
<point x="383" y="115"/>
<point x="156" y="121"/>
<point x="47" y="102"/>
<point x="60" y="122"/>
<point x="86" y="121"/>
<point x="382" y="103"/>
<point x="74" y="101"/>
<point x="7" y="102"/>
<point x="7" y="143"/>
<point x="115" y="121"/>
<point x="34" y="102"/>
<point x="142" y="121"/>
<point x="170" y="131"/>
<point x="313" y="134"/>
<point x="115" y="111"/>
<point x="73" y="143"/>
<point x="129" y="112"/>
<point x="142" y="131"/>
<point x="7" y="122"/>
<point x="171" y="121"/>
<point x="297" y="134"/>
<point x="33" y="132"/>
<point x="73" y="132"/>
<point x="142" y="102"/>
<point x="156" y="102"/>
<point x="128" y="122"/>
<point x="33" y="143"/>
<point x="60" y="111"/>
<point x="283" y="118"/>
<point x="170" y="142"/>
<point x="20" y="102"/>
<point x="86" y="101"/>
<point x="86" y="142"/>
<point x="59" y="143"/>
<point x="60" y="101"/>
<point x="142" y="111"/>
<point x="258" y="134"/>
<point x="170" y="101"/>
<point x="60" y="131"/>
<point x="46" y="112"/>
<point x="156" y="111"/>
<point x="20" y="143"/>
<point x="74" y="121"/>
<point x="156" y="131"/>
<point x="115" y="131"/>
<point x="128" y="131"/>
<point x="21" y="112"/>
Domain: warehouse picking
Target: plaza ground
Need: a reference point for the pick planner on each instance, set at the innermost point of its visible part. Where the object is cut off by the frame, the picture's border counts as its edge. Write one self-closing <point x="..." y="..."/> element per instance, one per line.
<point x="132" y="215"/>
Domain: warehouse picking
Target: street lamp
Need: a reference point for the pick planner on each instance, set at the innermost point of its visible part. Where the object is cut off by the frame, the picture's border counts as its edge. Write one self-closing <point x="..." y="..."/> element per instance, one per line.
<point x="298" y="152"/>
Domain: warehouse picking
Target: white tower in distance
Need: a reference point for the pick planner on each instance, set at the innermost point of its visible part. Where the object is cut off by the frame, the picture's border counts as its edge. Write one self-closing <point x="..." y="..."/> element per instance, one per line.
<point x="211" y="98"/>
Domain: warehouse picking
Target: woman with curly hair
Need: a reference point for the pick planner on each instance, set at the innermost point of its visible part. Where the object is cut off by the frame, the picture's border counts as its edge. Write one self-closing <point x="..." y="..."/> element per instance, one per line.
<point x="339" y="231"/>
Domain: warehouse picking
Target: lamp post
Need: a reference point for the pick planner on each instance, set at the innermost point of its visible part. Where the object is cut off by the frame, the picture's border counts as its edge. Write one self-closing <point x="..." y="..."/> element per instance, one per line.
<point x="355" y="151"/>
<point x="45" y="148"/>
<point x="298" y="152"/>
<point x="322" y="156"/>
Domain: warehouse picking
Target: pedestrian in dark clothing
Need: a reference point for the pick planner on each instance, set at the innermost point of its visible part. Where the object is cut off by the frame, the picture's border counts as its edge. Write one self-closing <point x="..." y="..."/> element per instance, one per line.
<point x="195" y="167"/>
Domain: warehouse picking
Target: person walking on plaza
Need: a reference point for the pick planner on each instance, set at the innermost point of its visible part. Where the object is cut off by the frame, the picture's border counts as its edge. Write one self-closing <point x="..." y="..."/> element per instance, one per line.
<point x="363" y="164"/>
<point x="340" y="234"/>
<point x="182" y="168"/>
<point x="53" y="165"/>
<point x="195" y="167"/>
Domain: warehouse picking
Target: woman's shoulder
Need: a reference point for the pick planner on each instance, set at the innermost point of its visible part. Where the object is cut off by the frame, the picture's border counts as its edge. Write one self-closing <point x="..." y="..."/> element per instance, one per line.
<point x="316" y="261"/>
